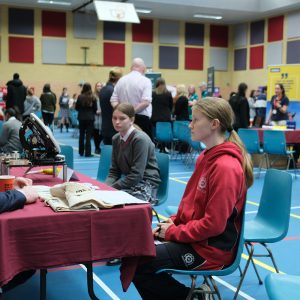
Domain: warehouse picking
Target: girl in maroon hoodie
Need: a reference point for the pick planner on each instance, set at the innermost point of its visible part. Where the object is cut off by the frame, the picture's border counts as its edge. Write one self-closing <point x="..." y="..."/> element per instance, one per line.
<point x="204" y="232"/>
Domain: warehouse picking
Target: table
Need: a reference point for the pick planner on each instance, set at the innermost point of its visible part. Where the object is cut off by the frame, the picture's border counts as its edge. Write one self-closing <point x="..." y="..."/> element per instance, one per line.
<point x="291" y="136"/>
<point x="36" y="237"/>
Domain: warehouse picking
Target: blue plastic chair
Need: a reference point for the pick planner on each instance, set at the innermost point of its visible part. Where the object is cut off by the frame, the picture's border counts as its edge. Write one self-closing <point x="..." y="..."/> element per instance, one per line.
<point x="250" y="138"/>
<point x="275" y="143"/>
<point x="271" y="222"/>
<point x="164" y="133"/>
<point x="282" y="287"/>
<point x="163" y="165"/>
<point x="67" y="151"/>
<point x="104" y="162"/>
<point x="1" y="124"/>
<point x="208" y="274"/>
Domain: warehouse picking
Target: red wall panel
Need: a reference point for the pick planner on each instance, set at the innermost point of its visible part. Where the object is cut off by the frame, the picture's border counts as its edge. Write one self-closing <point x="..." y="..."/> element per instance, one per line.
<point x="21" y="50"/>
<point x="143" y="32"/>
<point x="257" y="57"/>
<point x="114" y="54"/>
<point x="53" y="23"/>
<point x="275" y="29"/>
<point x="218" y="36"/>
<point x="194" y="58"/>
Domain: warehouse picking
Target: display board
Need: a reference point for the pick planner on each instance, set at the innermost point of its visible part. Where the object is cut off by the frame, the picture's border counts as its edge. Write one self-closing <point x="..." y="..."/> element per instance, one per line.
<point x="289" y="76"/>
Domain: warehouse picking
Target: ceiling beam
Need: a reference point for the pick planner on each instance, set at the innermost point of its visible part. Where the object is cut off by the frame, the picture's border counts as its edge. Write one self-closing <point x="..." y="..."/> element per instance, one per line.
<point x="82" y="6"/>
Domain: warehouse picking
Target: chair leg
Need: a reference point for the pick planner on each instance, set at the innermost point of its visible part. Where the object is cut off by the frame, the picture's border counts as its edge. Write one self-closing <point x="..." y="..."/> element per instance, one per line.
<point x="271" y="256"/>
<point x="193" y="285"/>
<point x="216" y="290"/>
<point x="240" y="270"/>
<point x="244" y="272"/>
<point x="253" y="264"/>
<point x="43" y="284"/>
<point x="156" y="214"/>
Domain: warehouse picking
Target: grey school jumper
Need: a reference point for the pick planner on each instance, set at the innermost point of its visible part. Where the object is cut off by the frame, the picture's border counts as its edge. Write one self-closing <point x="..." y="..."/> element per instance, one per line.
<point x="135" y="159"/>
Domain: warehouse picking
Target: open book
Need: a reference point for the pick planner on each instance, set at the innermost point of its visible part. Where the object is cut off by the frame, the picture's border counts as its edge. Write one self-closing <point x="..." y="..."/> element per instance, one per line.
<point x="72" y="196"/>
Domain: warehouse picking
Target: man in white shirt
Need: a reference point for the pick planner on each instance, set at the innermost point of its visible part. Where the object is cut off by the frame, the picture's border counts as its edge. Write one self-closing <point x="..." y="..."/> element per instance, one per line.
<point x="136" y="89"/>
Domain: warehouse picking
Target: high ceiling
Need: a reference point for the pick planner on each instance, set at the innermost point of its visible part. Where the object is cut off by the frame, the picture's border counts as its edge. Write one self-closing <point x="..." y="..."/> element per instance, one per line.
<point x="232" y="11"/>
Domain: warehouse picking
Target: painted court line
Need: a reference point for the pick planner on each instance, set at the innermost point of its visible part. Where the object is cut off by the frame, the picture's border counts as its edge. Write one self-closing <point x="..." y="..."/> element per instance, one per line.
<point x="232" y="288"/>
<point x="103" y="285"/>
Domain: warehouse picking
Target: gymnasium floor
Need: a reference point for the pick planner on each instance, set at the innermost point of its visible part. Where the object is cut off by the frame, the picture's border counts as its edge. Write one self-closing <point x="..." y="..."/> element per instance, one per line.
<point x="69" y="283"/>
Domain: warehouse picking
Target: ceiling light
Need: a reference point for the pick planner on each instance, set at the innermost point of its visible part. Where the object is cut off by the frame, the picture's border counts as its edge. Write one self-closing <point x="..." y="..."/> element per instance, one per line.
<point x="54" y="2"/>
<point x="143" y="10"/>
<point x="200" y="16"/>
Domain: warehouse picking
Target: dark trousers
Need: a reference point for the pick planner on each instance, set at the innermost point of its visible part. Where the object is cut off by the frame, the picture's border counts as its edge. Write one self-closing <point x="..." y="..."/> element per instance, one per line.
<point x="145" y="124"/>
<point x="97" y="138"/>
<point x="48" y="119"/>
<point x="86" y="128"/>
<point x="163" y="286"/>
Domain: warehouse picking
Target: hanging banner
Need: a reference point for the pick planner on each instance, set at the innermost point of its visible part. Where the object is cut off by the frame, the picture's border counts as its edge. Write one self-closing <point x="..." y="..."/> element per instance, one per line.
<point x="289" y="76"/>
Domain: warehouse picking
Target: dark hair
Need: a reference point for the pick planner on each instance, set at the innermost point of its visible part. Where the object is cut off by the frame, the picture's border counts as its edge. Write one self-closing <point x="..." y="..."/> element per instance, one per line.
<point x="16" y="76"/>
<point x="87" y="94"/>
<point x="282" y="88"/>
<point x="264" y="89"/>
<point x="252" y="93"/>
<point x="126" y="108"/>
<point x="47" y="88"/>
<point x="242" y="89"/>
<point x="11" y="112"/>
<point x="114" y="75"/>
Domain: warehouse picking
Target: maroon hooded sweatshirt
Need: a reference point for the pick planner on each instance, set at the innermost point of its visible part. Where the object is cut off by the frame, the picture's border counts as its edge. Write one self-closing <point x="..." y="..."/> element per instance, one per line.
<point x="209" y="215"/>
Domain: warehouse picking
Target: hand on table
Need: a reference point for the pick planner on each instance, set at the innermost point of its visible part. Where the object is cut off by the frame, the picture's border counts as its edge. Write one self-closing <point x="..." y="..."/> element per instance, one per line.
<point x="30" y="193"/>
<point x="20" y="182"/>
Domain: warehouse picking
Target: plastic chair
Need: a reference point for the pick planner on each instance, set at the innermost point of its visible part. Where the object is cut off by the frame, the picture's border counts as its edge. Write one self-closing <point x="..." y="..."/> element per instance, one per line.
<point x="1" y="124"/>
<point x="275" y="143"/>
<point x="163" y="165"/>
<point x="250" y="138"/>
<point x="67" y="151"/>
<point x="282" y="287"/>
<point x="271" y="222"/>
<point x="208" y="274"/>
<point x="164" y="133"/>
<point x="104" y="162"/>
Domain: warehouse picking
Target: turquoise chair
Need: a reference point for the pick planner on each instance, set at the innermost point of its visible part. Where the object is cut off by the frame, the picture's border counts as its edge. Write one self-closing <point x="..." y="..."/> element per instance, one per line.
<point x="250" y="138"/>
<point x="1" y="124"/>
<point x="163" y="165"/>
<point x="271" y="222"/>
<point x="208" y="274"/>
<point x="164" y="133"/>
<point x="275" y="143"/>
<point x="282" y="287"/>
<point x="104" y="162"/>
<point x="67" y="151"/>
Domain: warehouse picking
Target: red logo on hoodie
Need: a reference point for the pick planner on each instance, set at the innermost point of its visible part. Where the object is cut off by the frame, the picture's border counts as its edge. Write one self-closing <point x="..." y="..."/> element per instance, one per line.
<point x="202" y="184"/>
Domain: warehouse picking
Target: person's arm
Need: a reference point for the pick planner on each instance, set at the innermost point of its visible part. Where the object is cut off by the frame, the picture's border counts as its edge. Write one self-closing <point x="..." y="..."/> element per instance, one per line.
<point x="11" y="200"/>
<point x="224" y="192"/>
<point x="114" y="99"/>
<point x="4" y="135"/>
<point x="270" y="112"/>
<point x="77" y="103"/>
<point x="244" y="114"/>
<point x="283" y="107"/>
<point x="146" y="97"/>
<point x="141" y="106"/>
<point x="170" y="102"/>
<point x="139" y="163"/>
<point x="114" y="171"/>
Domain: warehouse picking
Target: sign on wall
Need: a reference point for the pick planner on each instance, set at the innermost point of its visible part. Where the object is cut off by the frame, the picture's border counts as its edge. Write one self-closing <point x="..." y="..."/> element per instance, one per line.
<point x="289" y="76"/>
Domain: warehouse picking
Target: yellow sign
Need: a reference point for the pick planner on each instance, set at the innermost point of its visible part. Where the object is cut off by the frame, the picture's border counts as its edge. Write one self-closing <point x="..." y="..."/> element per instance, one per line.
<point x="289" y="76"/>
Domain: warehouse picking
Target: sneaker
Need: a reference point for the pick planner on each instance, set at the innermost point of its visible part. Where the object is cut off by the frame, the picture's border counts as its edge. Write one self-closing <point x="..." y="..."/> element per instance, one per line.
<point x="201" y="293"/>
<point x="114" y="262"/>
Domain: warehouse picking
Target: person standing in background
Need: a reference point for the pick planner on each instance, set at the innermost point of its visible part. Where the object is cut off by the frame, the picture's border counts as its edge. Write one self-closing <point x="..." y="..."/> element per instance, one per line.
<point x="136" y="89"/>
<point x="181" y="105"/>
<point x="251" y="102"/>
<point x="203" y="90"/>
<point x="64" y="109"/>
<point x="261" y="107"/>
<point x="240" y="107"/>
<point x="107" y="128"/>
<point x="32" y="103"/>
<point x="16" y="94"/>
<point x="193" y="98"/>
<point x="86" y="105"/>
<point x="279" y="107"/>
<point x="48" y="101"/>
<point x="98" y="119"/>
